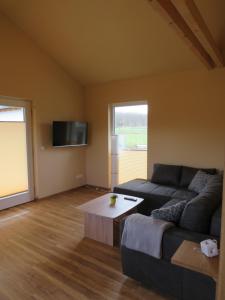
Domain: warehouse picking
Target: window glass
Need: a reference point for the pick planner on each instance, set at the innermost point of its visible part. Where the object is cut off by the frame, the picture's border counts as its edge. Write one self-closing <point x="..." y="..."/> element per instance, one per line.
<point x="11" y="114"/>
<point x="131" y="122"/>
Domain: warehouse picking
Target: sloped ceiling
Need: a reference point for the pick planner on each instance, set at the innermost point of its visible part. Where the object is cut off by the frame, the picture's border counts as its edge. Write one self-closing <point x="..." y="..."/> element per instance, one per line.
<point x="103" y="40"/>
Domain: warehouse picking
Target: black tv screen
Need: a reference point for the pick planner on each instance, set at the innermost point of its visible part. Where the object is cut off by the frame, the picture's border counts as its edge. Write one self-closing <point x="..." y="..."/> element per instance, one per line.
<point x="69" y="133"/>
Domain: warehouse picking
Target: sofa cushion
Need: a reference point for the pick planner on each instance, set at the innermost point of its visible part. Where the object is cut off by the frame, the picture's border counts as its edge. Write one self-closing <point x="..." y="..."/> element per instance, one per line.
<point x="167" y="191"/>
<point x="154" y="195"/>
<point x="198" y="212"/>
<point x="215" y="228"/>
<point x="170" y="213"/>
<point x="132" y="185"/>
<point x="199" y="181"/>
<point x="166" y="174"/>
<point x="140" y="186"/>
<point x="188" y="173"/>
<point x="184" y="194"/>
<point x="172" y="202"/>
<point x="173" y="238"/>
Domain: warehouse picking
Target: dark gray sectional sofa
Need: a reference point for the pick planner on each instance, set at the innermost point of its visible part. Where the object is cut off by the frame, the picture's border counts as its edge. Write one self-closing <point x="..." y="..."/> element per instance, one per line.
<point x="201" y="219"/>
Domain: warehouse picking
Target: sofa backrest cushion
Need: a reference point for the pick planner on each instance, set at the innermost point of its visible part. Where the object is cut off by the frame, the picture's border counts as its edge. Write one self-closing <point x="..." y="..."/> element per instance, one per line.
<point x="215" y="228"/>
<point x="166" y="174"/>
<point x="199" y="182"/>
<point x="198" y="212"/>
<point x="188" y="173"/>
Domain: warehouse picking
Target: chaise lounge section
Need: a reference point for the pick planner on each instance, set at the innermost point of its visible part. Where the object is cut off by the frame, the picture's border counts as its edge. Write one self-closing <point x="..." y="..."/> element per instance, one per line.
<point x="200" y="220"/>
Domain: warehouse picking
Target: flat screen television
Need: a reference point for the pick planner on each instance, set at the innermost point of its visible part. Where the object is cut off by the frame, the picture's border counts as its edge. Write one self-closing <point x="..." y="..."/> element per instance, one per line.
<point x="70" y="133"/>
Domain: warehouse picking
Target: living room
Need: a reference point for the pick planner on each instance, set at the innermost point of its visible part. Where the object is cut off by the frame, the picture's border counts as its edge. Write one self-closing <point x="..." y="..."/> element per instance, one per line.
<point x="64" y="67"/>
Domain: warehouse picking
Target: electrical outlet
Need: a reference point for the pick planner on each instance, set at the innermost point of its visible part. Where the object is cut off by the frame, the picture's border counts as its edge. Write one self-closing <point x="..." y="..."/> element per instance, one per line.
<point x="79" y="176"/>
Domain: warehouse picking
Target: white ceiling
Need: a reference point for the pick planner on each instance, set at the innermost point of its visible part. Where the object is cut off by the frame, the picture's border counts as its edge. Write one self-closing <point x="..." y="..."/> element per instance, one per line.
<point x="103" y="40"/>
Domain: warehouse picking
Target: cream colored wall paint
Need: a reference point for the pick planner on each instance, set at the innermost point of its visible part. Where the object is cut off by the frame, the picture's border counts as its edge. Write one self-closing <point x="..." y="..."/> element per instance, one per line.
<point x="186" y="120"/>
<point x="28" y="73"/>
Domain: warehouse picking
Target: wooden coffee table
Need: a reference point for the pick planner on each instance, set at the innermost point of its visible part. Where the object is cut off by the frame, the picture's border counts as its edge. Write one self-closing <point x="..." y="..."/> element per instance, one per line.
<point x="102" y="220"/>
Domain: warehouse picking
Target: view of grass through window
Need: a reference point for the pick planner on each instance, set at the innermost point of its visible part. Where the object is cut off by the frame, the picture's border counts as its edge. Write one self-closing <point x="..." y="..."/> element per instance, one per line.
<point x="131" y="124"/>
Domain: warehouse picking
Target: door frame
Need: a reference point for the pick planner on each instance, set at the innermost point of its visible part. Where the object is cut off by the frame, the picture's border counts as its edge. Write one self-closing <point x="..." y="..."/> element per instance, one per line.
<point x="111" y="126"/>
<point x="23" y="197"/>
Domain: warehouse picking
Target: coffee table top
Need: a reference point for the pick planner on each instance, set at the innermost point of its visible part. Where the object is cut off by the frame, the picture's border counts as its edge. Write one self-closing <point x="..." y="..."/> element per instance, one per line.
<point x="101" y="206"/>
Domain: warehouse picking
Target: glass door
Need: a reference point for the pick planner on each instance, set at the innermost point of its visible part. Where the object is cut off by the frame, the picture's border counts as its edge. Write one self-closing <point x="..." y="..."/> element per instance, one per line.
<point x="16" y="160"/>
<point x="129" y="142"/>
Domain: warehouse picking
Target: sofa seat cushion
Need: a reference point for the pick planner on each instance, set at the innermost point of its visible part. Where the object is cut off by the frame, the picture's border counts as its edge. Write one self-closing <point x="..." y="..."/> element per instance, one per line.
<point x="164" y="190"/>
<point x="155" y="195"/>
<point x="172" y="201"/>
<point x="147" y="187"/>
<point x="184" y="194"/>
<point x="131" y="185"/>
<point x="173" y="238"/>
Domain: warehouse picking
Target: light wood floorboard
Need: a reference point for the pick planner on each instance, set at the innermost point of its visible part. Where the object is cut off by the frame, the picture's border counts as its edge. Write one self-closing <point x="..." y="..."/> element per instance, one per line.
<point x="43" y="255"/>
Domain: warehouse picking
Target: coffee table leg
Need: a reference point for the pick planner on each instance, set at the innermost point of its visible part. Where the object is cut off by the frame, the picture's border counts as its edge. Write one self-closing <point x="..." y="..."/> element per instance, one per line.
<point x="98" y="228"/>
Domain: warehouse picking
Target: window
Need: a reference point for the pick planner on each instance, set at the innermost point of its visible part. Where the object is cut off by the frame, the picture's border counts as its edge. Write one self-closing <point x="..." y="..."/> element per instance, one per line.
<point x="131" y="122"/>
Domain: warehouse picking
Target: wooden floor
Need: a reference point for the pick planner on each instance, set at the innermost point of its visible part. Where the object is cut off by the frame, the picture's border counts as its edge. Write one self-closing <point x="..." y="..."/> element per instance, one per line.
<point x="43" y="255"/>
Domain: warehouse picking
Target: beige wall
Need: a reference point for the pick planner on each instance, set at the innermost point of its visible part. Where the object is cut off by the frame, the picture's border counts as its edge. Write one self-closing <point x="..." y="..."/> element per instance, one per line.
<point x="186" y="120"/>
<point x="28" y="73"/>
